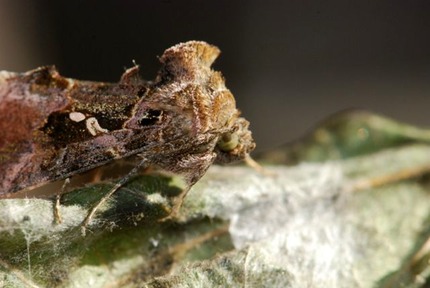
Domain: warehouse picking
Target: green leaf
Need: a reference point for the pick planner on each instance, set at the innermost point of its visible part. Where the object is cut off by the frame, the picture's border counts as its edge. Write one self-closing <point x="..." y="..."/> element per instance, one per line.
<point x="357" y="221"/>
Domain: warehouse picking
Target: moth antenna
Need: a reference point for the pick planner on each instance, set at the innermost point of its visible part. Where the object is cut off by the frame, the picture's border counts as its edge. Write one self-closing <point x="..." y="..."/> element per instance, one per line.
<point x="115" y="188"/>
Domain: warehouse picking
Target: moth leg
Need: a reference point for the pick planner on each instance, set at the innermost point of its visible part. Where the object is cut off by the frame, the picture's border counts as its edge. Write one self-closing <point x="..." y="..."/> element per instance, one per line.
<point x="193" y="167"/>
<point x="57" y="214"/>
<point x="97" y="176"/>
<point x="115" y="188"/>
<point x="176" y="206"/>
<point x="256" y="166"/>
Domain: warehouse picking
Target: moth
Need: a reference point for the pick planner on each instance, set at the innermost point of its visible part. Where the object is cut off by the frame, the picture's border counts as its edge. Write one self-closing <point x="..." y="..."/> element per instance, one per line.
<point x="52" y="127"/>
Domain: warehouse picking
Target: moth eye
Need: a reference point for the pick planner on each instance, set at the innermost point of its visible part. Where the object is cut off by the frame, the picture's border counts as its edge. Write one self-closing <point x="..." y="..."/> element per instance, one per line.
<point x="150" y="117"/>
<point x="228" y="142"/>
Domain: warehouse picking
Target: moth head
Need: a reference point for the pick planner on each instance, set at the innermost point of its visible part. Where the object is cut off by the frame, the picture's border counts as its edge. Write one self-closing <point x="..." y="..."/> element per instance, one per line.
<point x="236" y="143"/>
<point x="213" y="105"/>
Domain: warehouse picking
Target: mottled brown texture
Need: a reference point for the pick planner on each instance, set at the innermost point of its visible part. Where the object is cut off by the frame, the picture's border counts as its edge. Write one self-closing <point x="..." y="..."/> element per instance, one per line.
<point x="174" y="122"/>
